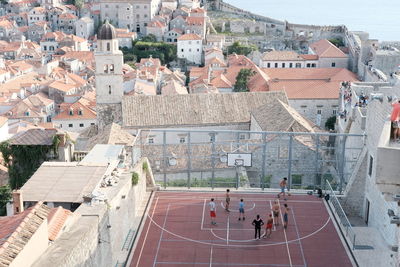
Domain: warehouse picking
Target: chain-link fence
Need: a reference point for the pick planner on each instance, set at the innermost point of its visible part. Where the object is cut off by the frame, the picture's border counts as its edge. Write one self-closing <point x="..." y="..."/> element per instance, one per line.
<point x="205" y="158"/>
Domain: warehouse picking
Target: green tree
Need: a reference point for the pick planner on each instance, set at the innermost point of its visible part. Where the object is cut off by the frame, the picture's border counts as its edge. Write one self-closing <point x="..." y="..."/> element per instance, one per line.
<point x="241" y="49"/>
<point x="337" y="42"/>
<point x="78" y="3"/>
<point x="330" y="123"/>
<point x="149" y="38"/>
<point x="5" y="196"/>
<point x="242" y="80"/>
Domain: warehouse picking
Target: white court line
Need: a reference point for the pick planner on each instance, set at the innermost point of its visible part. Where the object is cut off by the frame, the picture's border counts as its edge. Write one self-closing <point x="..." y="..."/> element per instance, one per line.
<point x="240" y="246"/>
<point x="202" y="216"/>
<point x="298" y="235"/>
<point x="161" y="235"/>
<point x="284" y="233"/>
<point x="211" y="256"/>
<point x="273" y="218"/>
<point x="254" y="205"/>
<point x="227" y="232"/>
<point x="147" y="232"/>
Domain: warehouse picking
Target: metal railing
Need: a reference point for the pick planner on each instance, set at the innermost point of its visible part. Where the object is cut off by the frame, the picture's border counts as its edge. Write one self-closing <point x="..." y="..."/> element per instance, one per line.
<point x="343" y="221"/>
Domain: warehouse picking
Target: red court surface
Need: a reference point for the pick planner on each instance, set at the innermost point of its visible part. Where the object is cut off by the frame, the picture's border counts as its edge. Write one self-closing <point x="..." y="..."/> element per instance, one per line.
<point x="178" y="232"/>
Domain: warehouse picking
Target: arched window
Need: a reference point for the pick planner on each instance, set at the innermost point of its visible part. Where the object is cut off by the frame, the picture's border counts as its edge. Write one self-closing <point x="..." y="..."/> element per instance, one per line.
<point x="112" y="68"/>
<point x="109" y="89"/>
<point x="108" y="46"/>
<point x="105" y="68"/>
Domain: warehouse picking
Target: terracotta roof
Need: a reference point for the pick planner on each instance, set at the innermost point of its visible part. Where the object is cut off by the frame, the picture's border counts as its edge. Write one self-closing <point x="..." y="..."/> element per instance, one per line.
<point x="56" y="220"/>
<point x="79" y="112"/>
<point x="325" y="49"/>
<point x="221" y="82"/>
<point x="309" y="83"/>
<point x="198" y="10"/>
<point x="34" y="137"/>
<point x="62" y="86"/>
<point x="193" y="109"/>
<point x="190" y="36"/>
<point x="195" y="21"/>
<point x="67" y="16"/>
<point x="156" y="24"/>
<point x="309" y="56"/>
<point x="17" y="230"/>
<point x="6" y="24"/>
<point x="281" y="56"/>
<point x="173" y="88"/>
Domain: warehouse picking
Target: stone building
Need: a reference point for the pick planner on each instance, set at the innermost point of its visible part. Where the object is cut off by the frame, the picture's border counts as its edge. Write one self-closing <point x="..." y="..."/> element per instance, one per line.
<point x="109" y="76"/>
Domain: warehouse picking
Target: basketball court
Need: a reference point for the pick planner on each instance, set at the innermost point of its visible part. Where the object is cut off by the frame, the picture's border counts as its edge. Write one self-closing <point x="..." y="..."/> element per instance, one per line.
<point x="178" y="232"/>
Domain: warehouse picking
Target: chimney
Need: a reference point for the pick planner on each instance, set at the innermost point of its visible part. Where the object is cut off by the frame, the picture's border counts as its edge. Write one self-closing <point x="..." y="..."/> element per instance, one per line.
<point x="18" y="202"/>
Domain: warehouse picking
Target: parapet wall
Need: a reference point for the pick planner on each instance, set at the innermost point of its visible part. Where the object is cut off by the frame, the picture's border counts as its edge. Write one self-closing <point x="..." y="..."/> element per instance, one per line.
<point x="98" y="235"/>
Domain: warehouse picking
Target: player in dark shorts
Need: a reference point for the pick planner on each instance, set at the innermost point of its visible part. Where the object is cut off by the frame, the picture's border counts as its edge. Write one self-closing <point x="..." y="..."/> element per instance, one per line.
<point x="257" y="222"/>
<point x="227" y="200"/>
<point x="268" y="229"/>
<point x="285" y="216"/>
<point x="275" y="210"/>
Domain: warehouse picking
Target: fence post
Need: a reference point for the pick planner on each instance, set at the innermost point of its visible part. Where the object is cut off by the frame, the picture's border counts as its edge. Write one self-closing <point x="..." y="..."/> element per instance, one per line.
<point x="189" y="167"/>
<point x="264" y="138"/>
<point x="165" y="158"/>
<point x="316" y="162"/>
<point x="213" y="161"/>
<point x="342" y="163"/>
<point x="290" y="162"/>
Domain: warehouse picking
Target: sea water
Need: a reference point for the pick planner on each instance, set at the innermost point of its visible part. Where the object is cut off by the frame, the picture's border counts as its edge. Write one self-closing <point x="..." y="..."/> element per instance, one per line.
<point x="381" y="18"/>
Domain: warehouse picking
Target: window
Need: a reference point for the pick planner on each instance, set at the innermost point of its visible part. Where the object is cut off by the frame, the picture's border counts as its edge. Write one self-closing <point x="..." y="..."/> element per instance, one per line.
<point x="308" y="65"/>
<point x="71" y="112"/>
<point x="242" y="137"/>
<point x="137" y="16"/>
<point x="212" y="137"/>
<point x="92" y="123"/>
<point x="81" y="125"/>
<point x="298" y="65"/>
<point x="105" y="68"/>
<point x="371" y="163"/>
<point x="313" y="65"/>
<point x="268" y="65"/>
<point x="70" y="125"/>
<point x="333" y="64"/>
<point x="303" y="106"/>
<point x="319" y="111"/>
<point x="283" y="65"/>
<point x="45" y="48"/>
<point x="106" y="6"/>
<point x="127" y="8"/>
<point x="145" y="15"/>
<point x="182" y="50"/>
<point x="190" y="49"/>
<point x="112" y="68"/>
<point x="276" y="65"/>
<point x="80" y="112"/>
<point x="334" y="112"/>
<point x="108" y="47"/>
<point x="27" y="113"/>
<point x="182" y="140"/>
<point x="60" y="125"/>
<point x="198" y="50"/>
<point x="290" y="65"/>
<point x="109" y="89"/>
<point x="145" y="7"/>
<point x="151" y="140"/>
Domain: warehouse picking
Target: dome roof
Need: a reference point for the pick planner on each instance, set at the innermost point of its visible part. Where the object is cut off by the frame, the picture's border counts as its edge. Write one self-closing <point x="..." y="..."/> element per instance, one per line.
<point x="106" y="32"/>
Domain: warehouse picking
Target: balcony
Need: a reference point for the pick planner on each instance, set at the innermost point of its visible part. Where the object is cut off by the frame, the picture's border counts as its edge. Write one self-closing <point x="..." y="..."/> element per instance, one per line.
<point x="387" y="164"/>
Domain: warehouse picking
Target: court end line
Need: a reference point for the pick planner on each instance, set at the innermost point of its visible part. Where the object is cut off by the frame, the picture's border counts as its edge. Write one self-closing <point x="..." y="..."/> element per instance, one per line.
<point x="147" y="232"/>
<point x="161" y="235"/>
<point x="273" y="217"/>
<point x="284" y="233"/>
<point x="298" y="235"/>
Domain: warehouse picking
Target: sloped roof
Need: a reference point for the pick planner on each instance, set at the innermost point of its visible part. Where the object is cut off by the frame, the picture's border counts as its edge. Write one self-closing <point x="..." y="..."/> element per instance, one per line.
<point x="79" y="112"/>
<point x="281" y="56"/>
<point x="279" y="117"/>
<point x="309" y="83"/>
<point x="190" y="36"/>
<point x="325" y="49"/>
<point x="62" y="182"/>
<point x="40" y="137"/>
<point x="57" y="218"/>
<point x="193" y="109"/>
<point x="17" y="230"/>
